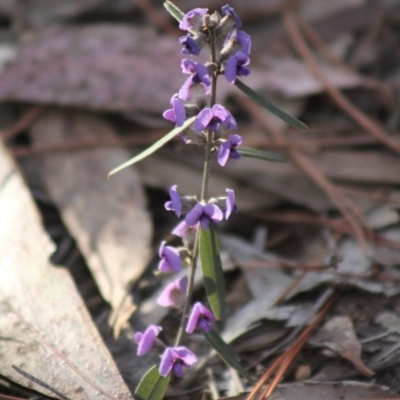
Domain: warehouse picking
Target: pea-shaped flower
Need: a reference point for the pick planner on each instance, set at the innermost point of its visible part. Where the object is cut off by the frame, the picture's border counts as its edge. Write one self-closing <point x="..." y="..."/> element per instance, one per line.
<point x="213" y="118"/>
<point x="170" y="259"/>
<point x="204" y="213"/>
<point x="177" y="111"/>
<point x="174" y="359"/>
<point x="200" y="317"/>
<point x="193" y="19"/>
<point x="145" y="340"/>
<point x="174" y="294"/>
<point x="228" y="150"/>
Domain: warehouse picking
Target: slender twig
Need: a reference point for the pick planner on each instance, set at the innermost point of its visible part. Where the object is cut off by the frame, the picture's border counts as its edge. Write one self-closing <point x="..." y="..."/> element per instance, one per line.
<point x="40" y="383"/>
<point x="291" y="25"/>
<point x="22" y="124"/>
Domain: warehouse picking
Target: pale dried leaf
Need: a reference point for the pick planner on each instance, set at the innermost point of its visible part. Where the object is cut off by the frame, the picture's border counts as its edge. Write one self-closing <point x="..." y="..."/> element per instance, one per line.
<point x="108" y="67"/>
<point x="338" y="335"/>
<point x="107" y="218"/>
<point x="45" y="328"/>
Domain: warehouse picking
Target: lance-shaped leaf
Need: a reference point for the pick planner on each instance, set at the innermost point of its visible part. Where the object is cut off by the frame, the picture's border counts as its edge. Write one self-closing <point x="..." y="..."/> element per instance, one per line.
<point x="263" y="102"/>
<point x="154" y="147"/>
<point x="262" y="155"/>
<point x="226" y="353"/>
<point x="174" y="11"/>
<point x="213" y="277"/>
<point x="152" y="386"/>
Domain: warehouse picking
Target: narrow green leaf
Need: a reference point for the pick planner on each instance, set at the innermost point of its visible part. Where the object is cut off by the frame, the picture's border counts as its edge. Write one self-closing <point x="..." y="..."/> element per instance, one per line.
<point x="174" y="10"/>
<point x="154" y="147"/>
<point x="152" y="386"/>
<point x="263" y="102"/>
<point x="213" y="277"/>
<point x="262" y="155"/>
<point x="226" y="353"/>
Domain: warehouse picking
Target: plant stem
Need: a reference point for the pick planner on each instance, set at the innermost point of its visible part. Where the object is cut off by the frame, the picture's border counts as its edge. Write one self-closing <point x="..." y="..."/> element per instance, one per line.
<point x="204" y="189"/>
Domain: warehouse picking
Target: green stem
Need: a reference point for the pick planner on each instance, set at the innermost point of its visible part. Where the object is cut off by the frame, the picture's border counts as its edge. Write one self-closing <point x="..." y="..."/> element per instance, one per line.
<point x="204" y="189"/>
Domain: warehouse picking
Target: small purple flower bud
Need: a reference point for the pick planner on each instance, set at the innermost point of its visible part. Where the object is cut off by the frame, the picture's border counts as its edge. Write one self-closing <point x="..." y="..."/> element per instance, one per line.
<point x="200" y="317"/>
<point x="146" y="339"/>
<point x="177" y="113"/>
<point x="174" y="294"/>
<point x="193" y="19"/>
<point x="228" y="149"/>
<point x="228" y="10"/>
<point x="189" y="44"/>
<point x="200" y="75"/>
<point x="236" y="66"/>
<point x="175" y="204"/>
<point x="213" y="117"/>
<point x="231" y="207"/>
<point x="204" y="214"/>
<point x="174" y="358"/>
<point x="170" y="259"/>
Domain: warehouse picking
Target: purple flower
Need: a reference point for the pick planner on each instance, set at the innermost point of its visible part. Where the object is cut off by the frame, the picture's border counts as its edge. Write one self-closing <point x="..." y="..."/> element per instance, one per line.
<point x="199" y="74"/>
<point x="175" y="204"/>
<point x="190" y="45"/>
<point x="200" y="317"/>
<point x="193" y="19"/>
<point x="170" y="259"/>
<point x="175" y="358"/>
<point x="204" y="214"/>
<point x="174" y="294"/>
<point x="231" y="11"/>
<point x="230" y="203"/>
<point x="146" y="339"/>
<point x="212" y="117"/>
<point x="177" y="113"/>
<point x="242" y="38"/>
<point x="236" y="66"/>
<point x="228" y="149"/>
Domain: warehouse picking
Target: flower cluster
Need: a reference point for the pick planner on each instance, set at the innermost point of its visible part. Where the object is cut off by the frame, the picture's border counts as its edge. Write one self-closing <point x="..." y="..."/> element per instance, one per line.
<point x="195" y="99"/>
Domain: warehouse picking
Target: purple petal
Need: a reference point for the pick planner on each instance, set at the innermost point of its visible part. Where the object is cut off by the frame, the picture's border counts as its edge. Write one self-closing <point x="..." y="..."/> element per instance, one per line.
<point x="165" y="266"/>
<point x="179" y="111"/>
<point x="235" y="140"/>
<point x="245" y="41"/>
<point x="188" y="66"/>
<point x="171" y="255"/>
<point x="190" y="45"/>
<point x="223" y="153"/>
<point x="146" y="340"/>
<point x="203" y="119"/>
<point x="184" y="91"/>
<point x="202" y="74"/>
<point x="174" y="358"/>
<point x="231" y="69"/>
<point x="188" y="358"/>
<point x="230" y="10"/>
<point x="193" y="19"/>
<point x="213" y="212"/>
<point x="220" y="112"/>
<point x="175" y="204"/>
<point x="174" y="294"/>
<point x="200" y="317"/>
<point x="181" y="229"/>
<point x="167" y="362"/>
<point x="194" y="215"/>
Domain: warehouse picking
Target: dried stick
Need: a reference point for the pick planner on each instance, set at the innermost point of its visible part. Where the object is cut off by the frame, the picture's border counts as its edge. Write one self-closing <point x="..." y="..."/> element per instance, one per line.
<point x="292" y="28"/>
<point x="22" y="124"/>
